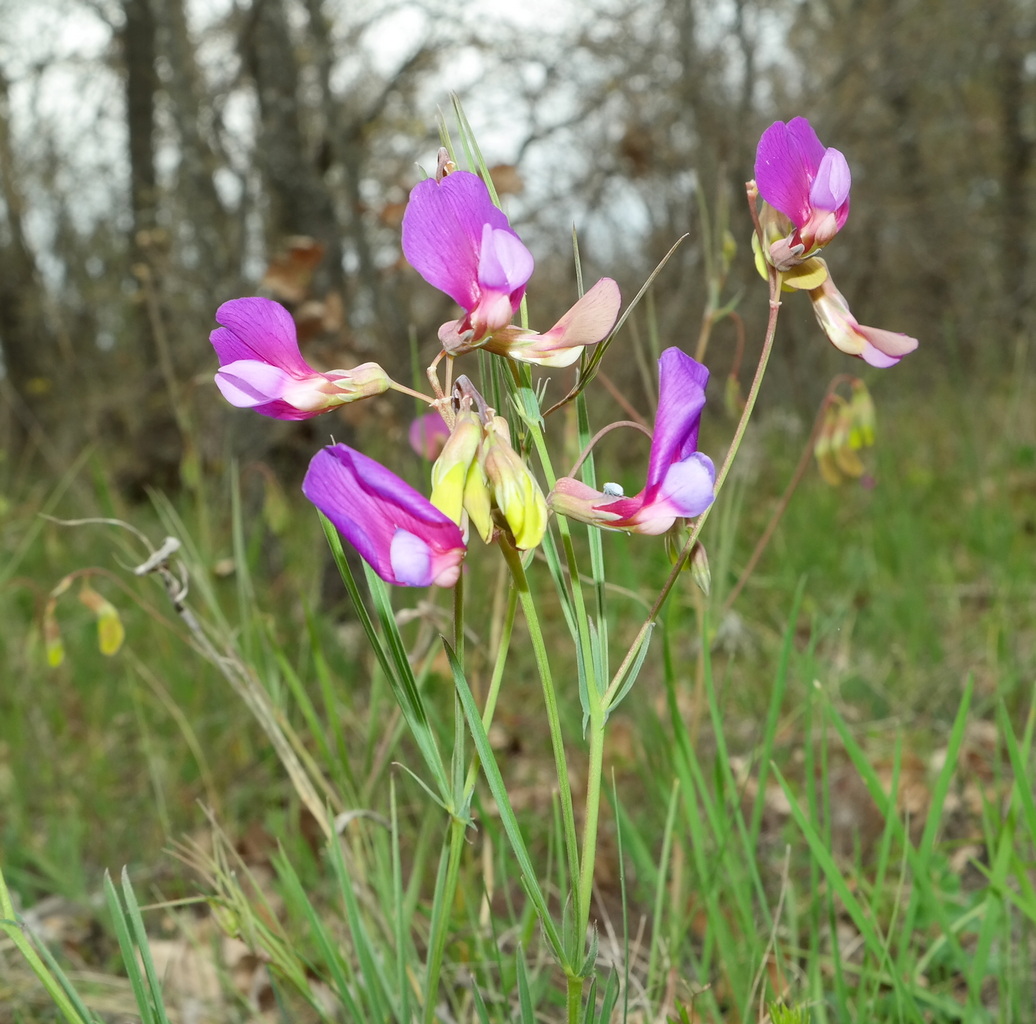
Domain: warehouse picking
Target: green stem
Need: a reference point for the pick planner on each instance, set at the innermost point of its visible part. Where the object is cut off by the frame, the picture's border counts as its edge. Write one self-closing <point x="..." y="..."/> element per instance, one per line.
<point x="495" y="681"/>
<point x="594" y="771"/>
<point x="550" y="700"/>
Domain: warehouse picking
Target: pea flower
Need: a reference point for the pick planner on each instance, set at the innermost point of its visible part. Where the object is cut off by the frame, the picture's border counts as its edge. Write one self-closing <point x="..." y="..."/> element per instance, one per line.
<point x="680" y="479"/>
<point x="261" y="367"/>
<point x="404" y="538"/>
<point x="428" y="434"/>
<point x="871" y="344"/>
<point x="462" y="244"/>
<point x="806" y="182"/>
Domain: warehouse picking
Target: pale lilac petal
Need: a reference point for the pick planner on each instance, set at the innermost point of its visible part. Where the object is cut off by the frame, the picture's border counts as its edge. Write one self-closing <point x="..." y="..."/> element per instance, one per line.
<point x="590" y="319"/>
<point x="688" y="486"/>
<point x="831" y="186"/>
<point x="504" y="264"/>
<point x="442" y="232"/>
<point x="260" y="329"/>
<point x="247" y="383"/>
<point x="428" y="434"/>
<point x="411" y="559"/>
<point x="681" y="398"/>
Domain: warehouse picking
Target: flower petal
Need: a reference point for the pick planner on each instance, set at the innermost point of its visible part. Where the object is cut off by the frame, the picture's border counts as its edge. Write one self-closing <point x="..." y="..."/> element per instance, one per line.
<point x="830" y="188"/>
<point x="442" y="232"/>
<point x="786" y="163"/>
<point x="260" y="329"/>
<point x="370" y="506"/>
<point x="585" y="324"/>
<point x="885" y="348"/>
<point x="681" y="398"/>
<point x="504" y="264"/>
<point x="248" y="383"/>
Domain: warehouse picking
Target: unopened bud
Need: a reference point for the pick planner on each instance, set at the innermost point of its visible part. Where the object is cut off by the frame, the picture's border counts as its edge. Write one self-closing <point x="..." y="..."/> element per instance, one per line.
<point x="698" y="563"/>
<point x="515" y="492"/>
<point x="458" y="481"/>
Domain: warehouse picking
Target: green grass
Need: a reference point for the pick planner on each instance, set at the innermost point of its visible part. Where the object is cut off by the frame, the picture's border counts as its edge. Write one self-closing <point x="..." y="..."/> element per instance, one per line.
<point x="832" y="807"/>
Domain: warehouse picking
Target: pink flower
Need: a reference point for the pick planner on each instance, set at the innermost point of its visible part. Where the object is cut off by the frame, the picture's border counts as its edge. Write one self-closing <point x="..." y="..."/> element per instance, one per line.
<point x="462" y="244"/>
<point x="404" y="538"/>
<point x="680" y="479"/>
<point x="807" y="183"/>
<point x="458" y="241"/>
<point x="427" y="435"/>
<point x="261" y="367"/>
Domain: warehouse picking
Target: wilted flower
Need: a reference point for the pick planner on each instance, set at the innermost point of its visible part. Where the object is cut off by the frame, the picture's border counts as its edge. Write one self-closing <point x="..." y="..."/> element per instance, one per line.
<point x="462" y="244"/>
<point x="807" y="183"/>
<point x="585" y="324"/>
<point x="403" y="537"/>
<point x="261" y="367"/>
<point x="680" y="478"/>
<point x="871" y="344"/>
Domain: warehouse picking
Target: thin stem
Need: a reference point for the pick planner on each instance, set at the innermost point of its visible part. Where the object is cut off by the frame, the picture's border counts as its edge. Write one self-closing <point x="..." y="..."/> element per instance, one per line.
<point x="495" y="680"/>
<point x="403" y="389"/>
<point x="594" y="771"/>
<point x="735" y="444"/>
<point x="550" y="700"/>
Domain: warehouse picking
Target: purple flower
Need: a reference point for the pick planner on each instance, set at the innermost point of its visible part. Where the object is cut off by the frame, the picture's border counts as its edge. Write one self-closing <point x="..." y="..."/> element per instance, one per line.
<point x="462" y="244"/>
<point x="261" y="367"/>
<point x="872" y="344"/>
<point x="805" y="181"/>
<point x="404" y="538"/>
<point x="679" y="479"/>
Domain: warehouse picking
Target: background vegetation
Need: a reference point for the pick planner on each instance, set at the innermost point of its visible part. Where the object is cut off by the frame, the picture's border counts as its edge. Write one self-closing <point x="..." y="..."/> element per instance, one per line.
<point x="158" y="158"/>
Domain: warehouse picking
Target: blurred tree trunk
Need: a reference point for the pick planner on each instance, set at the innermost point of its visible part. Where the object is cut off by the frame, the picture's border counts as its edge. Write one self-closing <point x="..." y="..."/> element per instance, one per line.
<point x="214" y="235"/>
<point x="1016" y="168"/>
<point x="299" y="201"/>
<point x="138" y="44"/>
<point x="28" y="359"/>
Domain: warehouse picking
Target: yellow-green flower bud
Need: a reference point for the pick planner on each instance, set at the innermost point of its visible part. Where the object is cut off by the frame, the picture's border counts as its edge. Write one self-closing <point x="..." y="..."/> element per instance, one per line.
<point x="515" y="492"/>
<point x="458" y="481"/>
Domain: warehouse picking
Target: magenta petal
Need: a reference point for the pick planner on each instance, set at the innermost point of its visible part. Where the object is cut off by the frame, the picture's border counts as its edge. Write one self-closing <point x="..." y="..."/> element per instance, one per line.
<point x="372" y="508"/>
<point x="786" y="162"/>
<point x="681" y="398"/>
<point x="259" y="329"/>
<point x="442" y="232"/>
